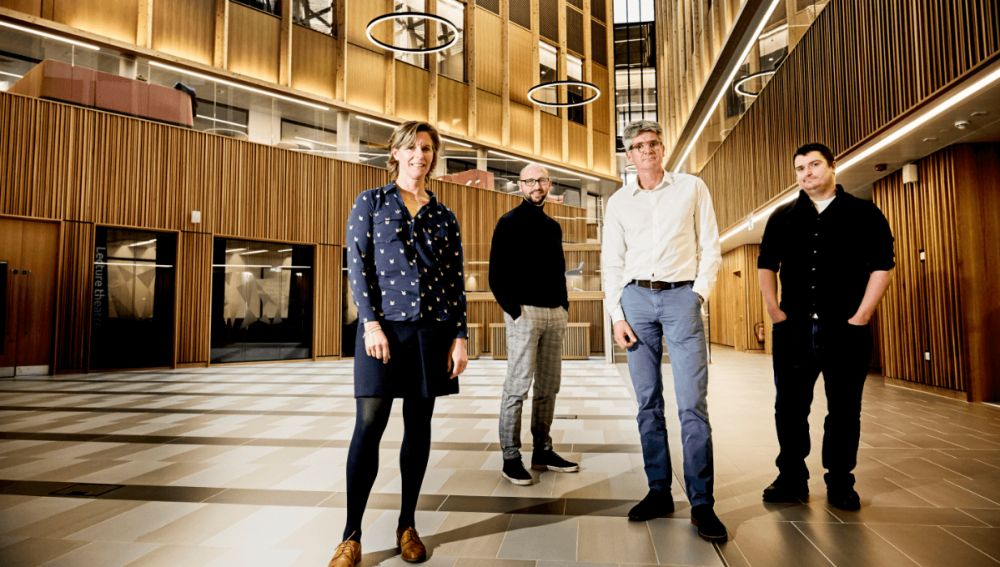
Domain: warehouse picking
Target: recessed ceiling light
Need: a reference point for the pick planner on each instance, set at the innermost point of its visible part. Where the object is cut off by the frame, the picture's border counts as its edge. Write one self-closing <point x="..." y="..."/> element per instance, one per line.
<point x="979" y="113"/>
<point x="930" y="139"/>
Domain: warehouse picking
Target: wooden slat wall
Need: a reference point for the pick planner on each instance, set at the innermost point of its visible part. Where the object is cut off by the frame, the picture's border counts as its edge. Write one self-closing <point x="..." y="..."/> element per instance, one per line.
<point x="735" y="302"/>
<point x="72" y="351"/>
<point x="328" y="314"/>
<point x="194" y="297"/>
<point x="91" y="167"/>
<point x="922" y="310"/>
<point x="876" y="60"/>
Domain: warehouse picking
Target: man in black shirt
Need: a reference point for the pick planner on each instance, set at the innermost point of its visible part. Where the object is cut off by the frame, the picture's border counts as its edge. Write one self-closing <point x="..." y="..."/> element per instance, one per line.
<point x="528" y="279"/>
<point x="834" y="254"/>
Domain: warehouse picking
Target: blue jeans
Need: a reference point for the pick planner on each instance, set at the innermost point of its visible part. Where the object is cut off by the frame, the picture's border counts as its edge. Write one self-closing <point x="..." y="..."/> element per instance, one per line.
<point x="676" y="315"/>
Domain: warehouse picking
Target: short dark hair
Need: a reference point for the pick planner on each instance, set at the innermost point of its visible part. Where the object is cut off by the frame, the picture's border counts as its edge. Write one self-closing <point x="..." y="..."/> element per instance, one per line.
<point x="815" y="147"/>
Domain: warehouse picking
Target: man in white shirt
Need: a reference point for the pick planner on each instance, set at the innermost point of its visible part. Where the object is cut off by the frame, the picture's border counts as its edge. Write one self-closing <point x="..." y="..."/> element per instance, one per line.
<point x="659" y="258"/>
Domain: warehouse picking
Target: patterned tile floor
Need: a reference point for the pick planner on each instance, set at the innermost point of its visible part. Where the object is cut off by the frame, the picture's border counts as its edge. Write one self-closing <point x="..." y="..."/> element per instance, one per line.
<point x="244" y="465"/>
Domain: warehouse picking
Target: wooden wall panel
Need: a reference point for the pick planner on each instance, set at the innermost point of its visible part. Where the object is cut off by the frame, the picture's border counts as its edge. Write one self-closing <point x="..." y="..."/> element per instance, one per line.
<point x="602" y="107"/>
<point x="522" y="128"/>
<point x="735" y="304"/>
<point x="921" y="313"/>
<point x="194" y="298"/>
<point x="523" y="65"/>
<point x="489" y="49"/>
<point x="551" y="127"/>
<point x="116" y="19"/>
<point x="314" y="62"/>
<point x="185" y="28"/>
<point x="328" y="315"/>
<point x="577" y="144"/>
<point x="253" y="43"/>
<point x="453" y="106"/>
<point x="489" y="115"/>
<point x="977" y="183"/>
<point x="411" y="80"/>
<point x="365" y="82"/>
<point x="75" y="296"/>
<point x="882" y="60"/>
<point x="358" y="16"/>
<point x="604" y="146"/>
<point x="30" y="7"/>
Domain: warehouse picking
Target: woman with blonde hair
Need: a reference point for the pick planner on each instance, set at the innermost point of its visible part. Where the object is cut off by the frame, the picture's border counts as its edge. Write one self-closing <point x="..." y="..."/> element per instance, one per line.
<point x="404" y="259"/>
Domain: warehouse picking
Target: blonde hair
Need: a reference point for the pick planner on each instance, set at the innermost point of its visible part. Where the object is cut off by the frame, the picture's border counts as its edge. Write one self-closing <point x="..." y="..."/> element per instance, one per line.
<point x="405" y="136"/>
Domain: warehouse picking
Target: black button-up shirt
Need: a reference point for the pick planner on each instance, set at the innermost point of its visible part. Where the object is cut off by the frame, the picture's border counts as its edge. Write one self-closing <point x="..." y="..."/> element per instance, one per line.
<point x="825" y="259"/>
<point x="401" y="267"/>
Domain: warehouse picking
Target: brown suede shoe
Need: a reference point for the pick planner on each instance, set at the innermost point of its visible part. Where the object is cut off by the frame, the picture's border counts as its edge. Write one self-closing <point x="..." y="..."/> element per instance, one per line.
<point x="348" y="554"/>
<point x="410" y="547"/>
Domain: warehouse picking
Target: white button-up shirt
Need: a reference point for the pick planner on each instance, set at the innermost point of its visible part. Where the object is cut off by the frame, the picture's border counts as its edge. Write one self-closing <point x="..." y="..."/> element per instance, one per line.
<point x="667" y="233"/>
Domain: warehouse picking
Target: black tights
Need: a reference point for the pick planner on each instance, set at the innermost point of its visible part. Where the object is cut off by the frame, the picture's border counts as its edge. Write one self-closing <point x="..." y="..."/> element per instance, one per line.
<point x="362" y="458"/>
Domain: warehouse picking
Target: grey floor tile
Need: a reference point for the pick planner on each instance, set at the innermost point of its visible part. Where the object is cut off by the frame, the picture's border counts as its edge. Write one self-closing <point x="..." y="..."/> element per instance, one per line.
<point x="776" y="544"/>
<point x="602" y="540"/>
<point x="677" y="543"/>
<point x="986" y="540"/>
<point x="540" y="537"/>
<point x="932" y="545"/>
<point x="854" y="544"/>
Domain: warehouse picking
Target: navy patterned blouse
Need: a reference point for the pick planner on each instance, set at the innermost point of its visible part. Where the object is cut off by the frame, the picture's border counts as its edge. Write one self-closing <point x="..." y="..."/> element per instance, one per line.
<point x="405" y="268"/>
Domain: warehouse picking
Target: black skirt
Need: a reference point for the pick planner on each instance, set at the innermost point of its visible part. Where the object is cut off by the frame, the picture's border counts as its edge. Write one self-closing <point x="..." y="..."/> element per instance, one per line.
<point x="418" y="362"/>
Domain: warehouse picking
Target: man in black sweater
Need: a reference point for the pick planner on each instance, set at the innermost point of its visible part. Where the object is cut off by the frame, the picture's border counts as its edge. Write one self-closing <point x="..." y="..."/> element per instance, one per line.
<point x="528" y="279"/>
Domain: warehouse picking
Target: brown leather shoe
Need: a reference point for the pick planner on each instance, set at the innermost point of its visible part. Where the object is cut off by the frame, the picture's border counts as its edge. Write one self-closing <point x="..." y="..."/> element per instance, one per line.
<point x="410" y="547"/>
<point x="348" y="554"/>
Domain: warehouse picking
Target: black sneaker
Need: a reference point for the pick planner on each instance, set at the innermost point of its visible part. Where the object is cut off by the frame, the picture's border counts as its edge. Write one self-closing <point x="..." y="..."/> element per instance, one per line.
<point x="656" y="504"/>
<point x="780" y="491"/>
<point x="549" y="460"/>
<point x="710" y="527"/>
<point x="845" y="498"/>
<point x="514" y="471"/>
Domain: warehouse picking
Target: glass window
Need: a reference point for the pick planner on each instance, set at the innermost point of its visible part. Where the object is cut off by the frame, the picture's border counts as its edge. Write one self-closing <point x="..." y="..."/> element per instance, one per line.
<point x="548" y="66"/>
<point x="133" y="299"/>
<point x="574" y="72"/>
<point x="222" y="119"/>
<point x="315" y="14"/>
<point x="451" y="61"/>
<point x="270" y="6"/>
<point x="262" y="301"/>
<point x="308" y="138"/>
<point x="410" y="32"/>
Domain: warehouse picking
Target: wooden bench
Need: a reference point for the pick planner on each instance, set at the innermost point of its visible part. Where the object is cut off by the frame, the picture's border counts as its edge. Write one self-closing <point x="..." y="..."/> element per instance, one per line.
<point x="576" y="341"/>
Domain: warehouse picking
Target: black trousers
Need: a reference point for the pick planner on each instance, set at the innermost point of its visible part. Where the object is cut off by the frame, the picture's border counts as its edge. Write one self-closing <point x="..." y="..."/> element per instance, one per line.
<point x="842" y="353"/>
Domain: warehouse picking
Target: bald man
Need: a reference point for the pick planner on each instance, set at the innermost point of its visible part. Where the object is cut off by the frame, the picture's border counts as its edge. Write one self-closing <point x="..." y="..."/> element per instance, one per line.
<point x="528" y="279"/>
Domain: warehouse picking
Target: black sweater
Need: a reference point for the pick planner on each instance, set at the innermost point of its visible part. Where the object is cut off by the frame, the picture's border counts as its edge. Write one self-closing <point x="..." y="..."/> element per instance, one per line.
<point x="527" y="266"/>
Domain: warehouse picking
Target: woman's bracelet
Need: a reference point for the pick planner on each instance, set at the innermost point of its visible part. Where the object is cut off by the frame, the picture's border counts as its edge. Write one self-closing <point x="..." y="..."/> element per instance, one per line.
<point x="372" y="331"/>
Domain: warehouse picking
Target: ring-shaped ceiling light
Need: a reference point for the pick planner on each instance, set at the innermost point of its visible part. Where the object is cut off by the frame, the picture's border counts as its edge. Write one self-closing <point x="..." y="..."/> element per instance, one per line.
<point x="554" y="84"/>
<point x="738" y="85"/>
<point x="419" y="15"/>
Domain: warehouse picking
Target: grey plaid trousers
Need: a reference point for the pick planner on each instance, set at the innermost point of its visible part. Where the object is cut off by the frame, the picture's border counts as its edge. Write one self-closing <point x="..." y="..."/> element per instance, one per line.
<point x="534" y="354"/>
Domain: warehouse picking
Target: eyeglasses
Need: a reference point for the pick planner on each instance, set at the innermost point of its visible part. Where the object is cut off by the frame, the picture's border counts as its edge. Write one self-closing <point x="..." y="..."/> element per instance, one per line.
<point x="533" y="182"/>
<point x="650" y="146"/>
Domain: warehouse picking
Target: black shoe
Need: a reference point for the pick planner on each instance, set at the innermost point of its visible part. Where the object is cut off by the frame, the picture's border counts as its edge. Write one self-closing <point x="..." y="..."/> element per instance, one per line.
<point x="710" y="527"/>
<point x="514" y="471"/>
<point x="779" y="491"/>
<point x="656" y="504"/>
<point x="845" y="498"/>
<point x="549" y="460"/>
